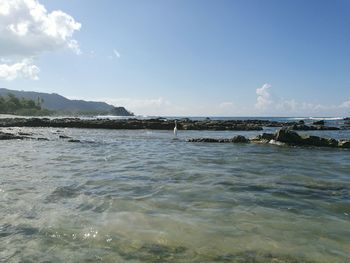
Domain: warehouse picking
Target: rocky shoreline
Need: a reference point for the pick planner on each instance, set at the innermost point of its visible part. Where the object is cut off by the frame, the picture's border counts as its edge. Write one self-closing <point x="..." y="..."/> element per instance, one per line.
<point x="284" y="136"/>
<point x="163" y="124"/>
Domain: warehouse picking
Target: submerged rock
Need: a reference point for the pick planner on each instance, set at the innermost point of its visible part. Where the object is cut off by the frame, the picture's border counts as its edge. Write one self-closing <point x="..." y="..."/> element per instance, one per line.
<point x="236" y="139"/>
<point x="42" y="139"/>
<point x="64" y="137"/>
<point x="10" y="136"/>
<point x="74" y="140"/>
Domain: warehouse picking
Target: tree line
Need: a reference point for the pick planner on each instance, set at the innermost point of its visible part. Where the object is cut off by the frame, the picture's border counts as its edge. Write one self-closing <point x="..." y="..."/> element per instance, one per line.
<point x="10" y="104"/>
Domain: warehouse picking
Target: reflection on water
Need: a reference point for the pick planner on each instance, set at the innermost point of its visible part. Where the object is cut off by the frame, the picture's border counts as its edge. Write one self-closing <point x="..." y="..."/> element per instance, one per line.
<point x="140" y="196"/>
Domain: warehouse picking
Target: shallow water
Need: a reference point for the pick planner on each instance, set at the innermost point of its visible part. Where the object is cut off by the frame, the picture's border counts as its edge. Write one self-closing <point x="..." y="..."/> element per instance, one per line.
<point x="141" y="196"/>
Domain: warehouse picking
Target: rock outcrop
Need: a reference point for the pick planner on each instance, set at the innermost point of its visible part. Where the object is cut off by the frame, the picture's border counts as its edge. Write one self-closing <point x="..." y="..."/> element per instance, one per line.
<point x="284" y="136"/>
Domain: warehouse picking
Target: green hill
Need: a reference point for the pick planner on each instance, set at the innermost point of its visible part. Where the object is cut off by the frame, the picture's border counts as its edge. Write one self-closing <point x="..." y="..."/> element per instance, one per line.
<point x="61" y="105"/>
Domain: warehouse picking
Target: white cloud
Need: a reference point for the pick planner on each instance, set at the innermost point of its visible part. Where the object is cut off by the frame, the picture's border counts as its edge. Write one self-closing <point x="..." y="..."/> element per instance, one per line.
<point x="116" y="53"/>
<point x="27" y="30"/>
<point x="345" y="104"/>
<point x="263" y="100"/>
<point x="291" y="107"/>
<point x="24" y="69"/>
<point x="153" y="106"/>
<point x="163" y="107"/>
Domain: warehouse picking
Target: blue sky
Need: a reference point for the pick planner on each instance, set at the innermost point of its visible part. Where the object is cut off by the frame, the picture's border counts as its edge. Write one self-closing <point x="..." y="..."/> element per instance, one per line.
<point x="186" y="57"/>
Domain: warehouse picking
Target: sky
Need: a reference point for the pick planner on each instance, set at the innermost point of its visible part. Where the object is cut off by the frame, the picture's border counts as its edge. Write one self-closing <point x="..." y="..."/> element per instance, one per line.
<point x="183" y="57"/>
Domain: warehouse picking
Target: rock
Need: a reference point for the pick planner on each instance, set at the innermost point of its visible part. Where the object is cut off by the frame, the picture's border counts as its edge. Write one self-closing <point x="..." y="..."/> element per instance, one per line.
<point x="236" y="139"/>
<point x="321" y="122"/>
<point x="301" y="122"/>
<point x="276" y="142"/>
<point x="74" y="140"/>
<point x="292" y="138"/>
<point x="315" y="141"/>
<point x="25" y="134"/>
<point x="10" y="136"/>
<point x="284" y="136"/>
<point x="64" y="137"/>
<point x="344" y="144"/>
<point x="288" y="136"/>
<point x="239" y="139"/>
<point x="328" y="128"/>
<point x="347" y="119"/>
<point x="42" y="139"/>
<point x="264" y="137"/>
<point x="332" y="142"/>
<point x="203" y="140"/>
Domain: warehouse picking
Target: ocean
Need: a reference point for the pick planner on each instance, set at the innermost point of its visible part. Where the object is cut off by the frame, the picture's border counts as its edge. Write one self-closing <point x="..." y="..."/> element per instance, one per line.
<point x="145" y="196"/>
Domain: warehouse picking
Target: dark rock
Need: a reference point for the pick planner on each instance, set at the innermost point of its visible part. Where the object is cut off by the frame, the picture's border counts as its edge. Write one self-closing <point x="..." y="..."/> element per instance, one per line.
<point x="332" y="142"/>
<point x="64" y="137"/>
<point x="264" y="137"/>
<point x="42" y="139"/>
<point x="321" y="122"/>
<point x="208" y="140"/>
<point x="25" y="134"/>
<point x="292" y="138"/>
<point x="10" y="136"/>
<point x="347" y="119"/>
<point x="288" y="136"/>
<point x="74" y="140"/>
<point x="236" y="139"/>
<point x="344" y="144"/>
<point x="315" y="141"/>
<point x="301" y="122"/>
<point x="239" y="139"/>
<point x="284" y="136"/>
<point x="327" y="128"/>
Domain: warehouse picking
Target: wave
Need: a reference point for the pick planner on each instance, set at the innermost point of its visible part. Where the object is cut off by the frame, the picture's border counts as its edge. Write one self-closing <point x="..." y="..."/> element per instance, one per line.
<point x="317" y="118"/>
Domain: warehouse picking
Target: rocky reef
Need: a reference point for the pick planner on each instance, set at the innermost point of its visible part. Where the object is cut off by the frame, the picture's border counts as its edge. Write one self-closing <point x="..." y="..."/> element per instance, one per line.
<point x="161" y="124"/>
<point x="284" y="136"/>
<point x="153" y="124"/>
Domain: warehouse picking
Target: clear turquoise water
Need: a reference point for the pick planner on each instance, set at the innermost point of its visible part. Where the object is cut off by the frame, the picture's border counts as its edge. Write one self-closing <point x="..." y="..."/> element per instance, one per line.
<point x="141" y="196"/>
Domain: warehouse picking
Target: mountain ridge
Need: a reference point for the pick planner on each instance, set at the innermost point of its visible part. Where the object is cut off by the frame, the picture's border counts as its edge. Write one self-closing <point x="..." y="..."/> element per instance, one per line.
<point x="57" y="102"/>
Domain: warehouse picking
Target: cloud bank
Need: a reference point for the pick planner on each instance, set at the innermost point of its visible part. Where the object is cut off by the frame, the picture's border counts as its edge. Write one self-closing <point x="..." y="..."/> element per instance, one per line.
<point x="267" y="105"/>
<point x="27" y="30"/>
<point x="24" y="69"/>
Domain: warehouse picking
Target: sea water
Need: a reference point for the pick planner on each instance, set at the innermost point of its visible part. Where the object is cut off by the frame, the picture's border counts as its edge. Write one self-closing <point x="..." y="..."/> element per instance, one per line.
<point x="143" y="196"/>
